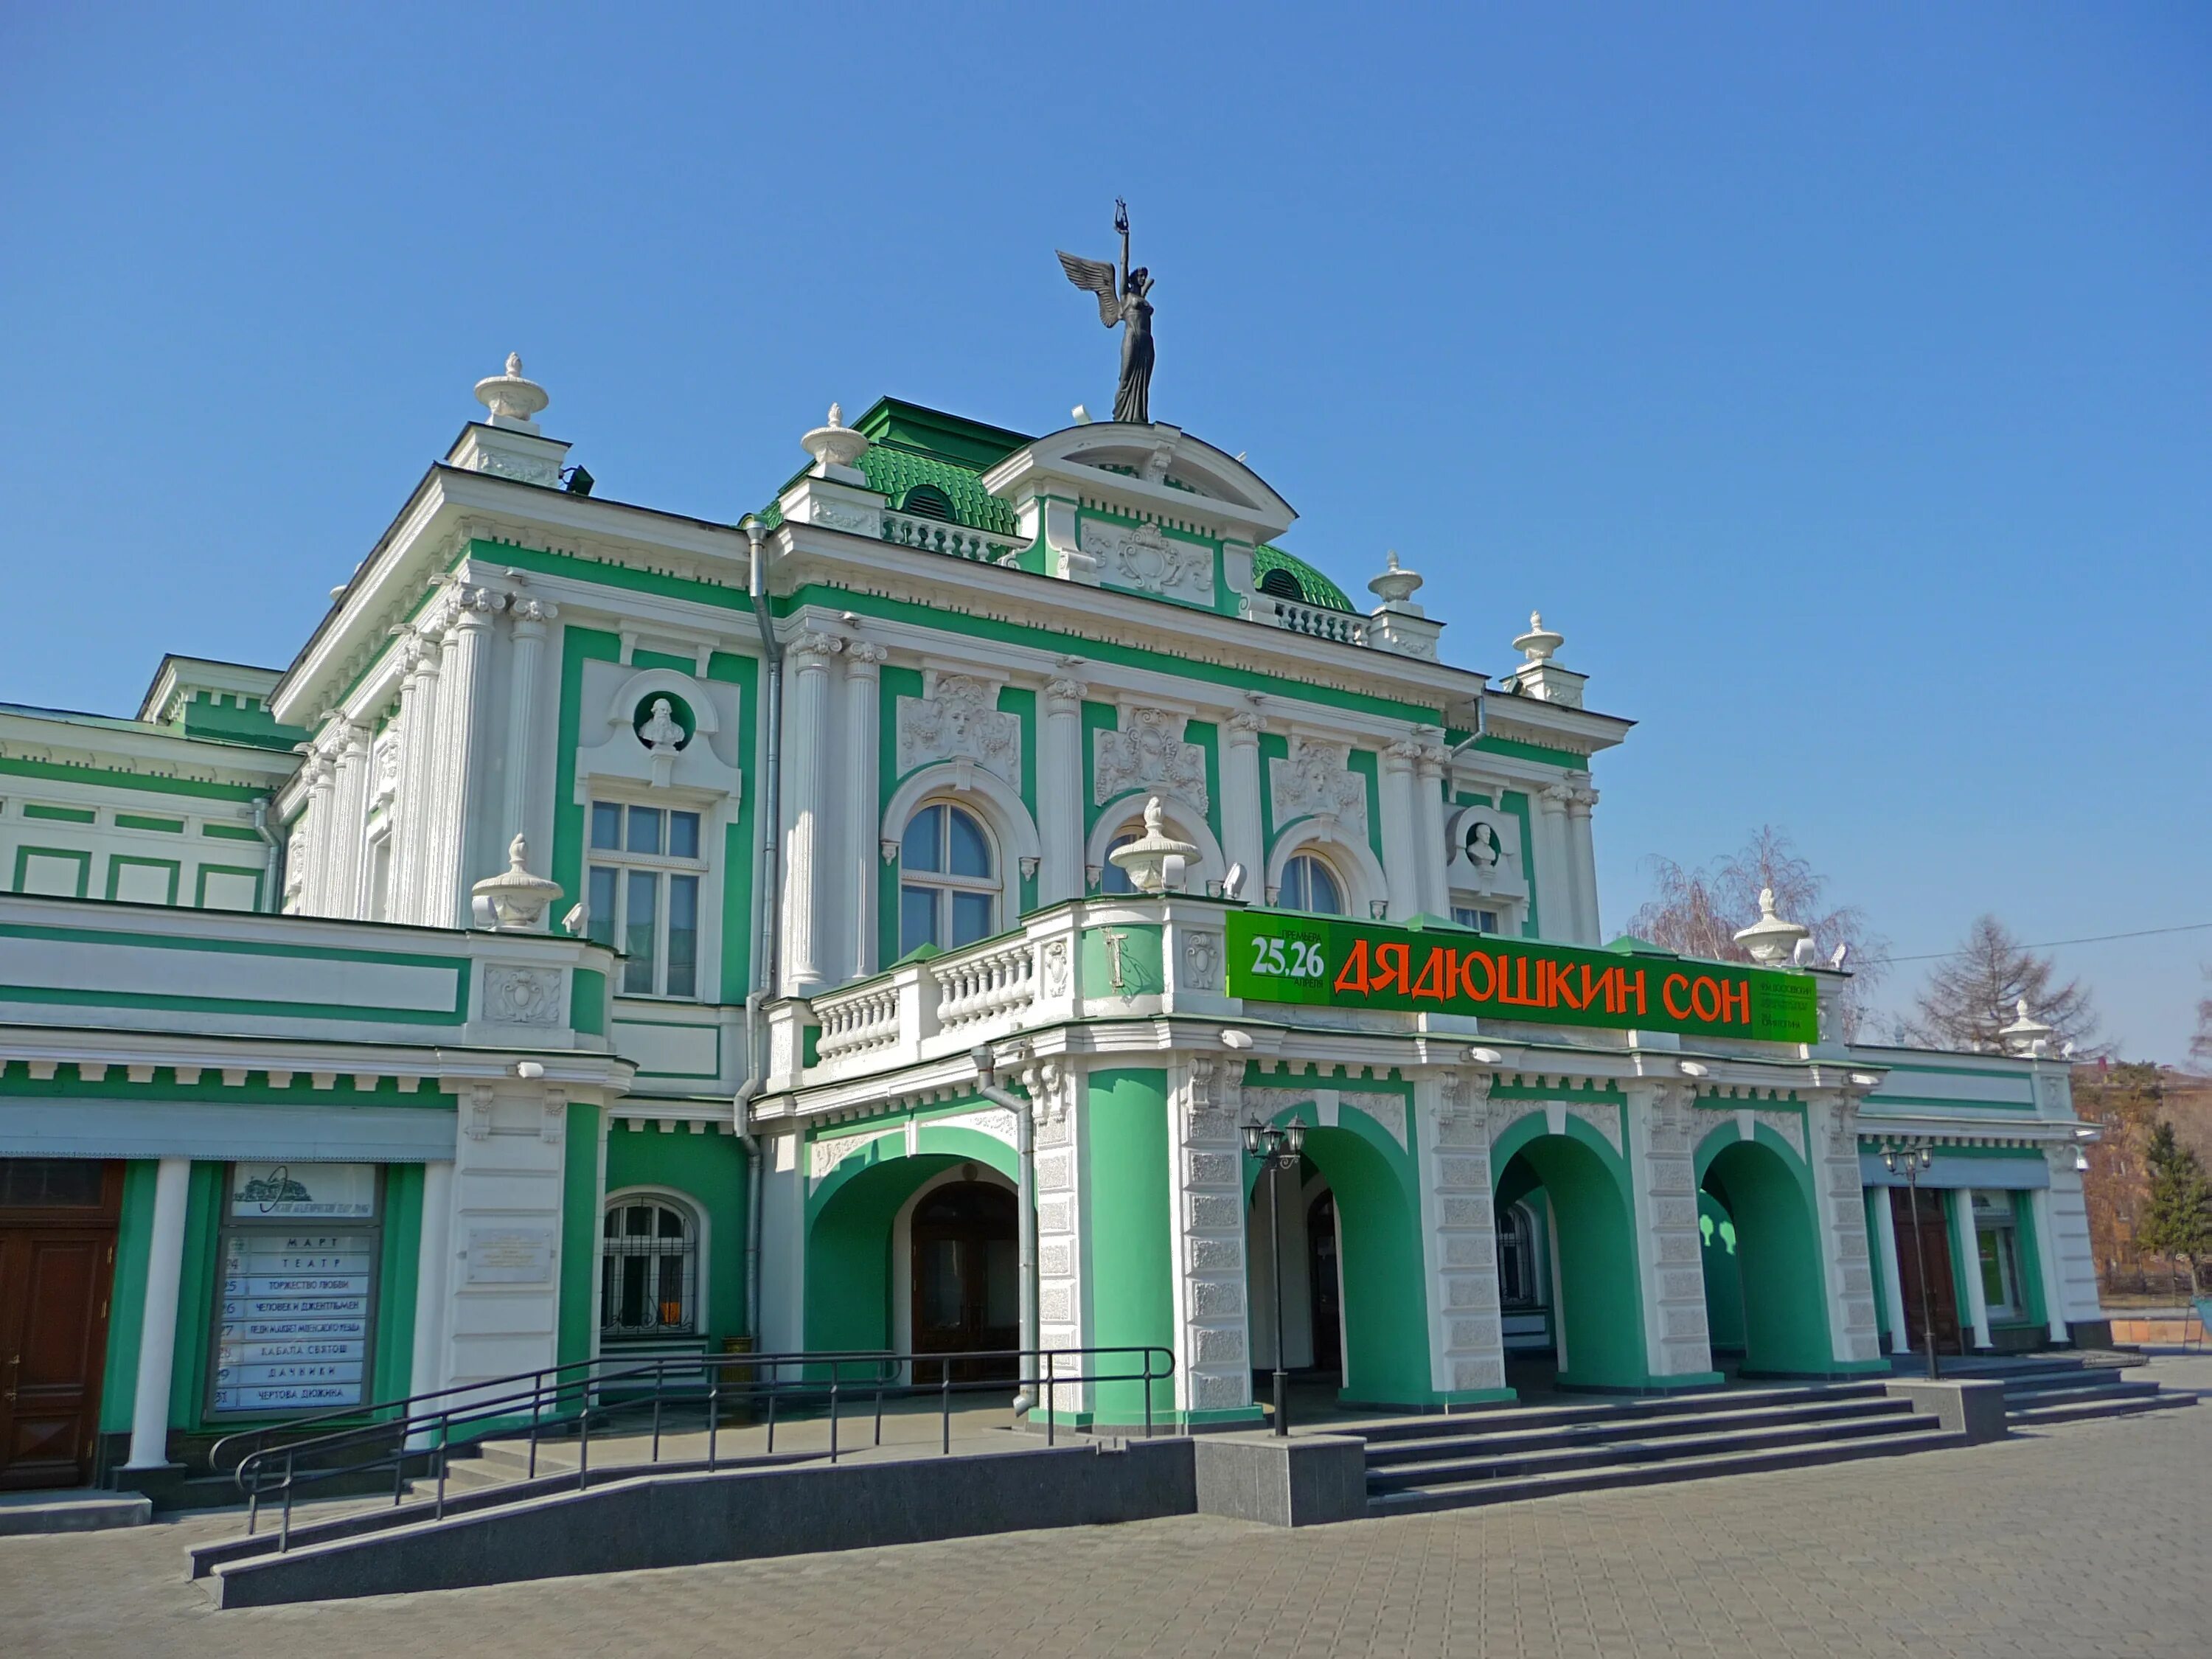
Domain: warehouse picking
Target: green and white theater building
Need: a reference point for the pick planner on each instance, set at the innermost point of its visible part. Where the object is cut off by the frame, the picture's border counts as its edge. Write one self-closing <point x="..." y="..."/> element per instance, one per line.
<point x="298" y="1113"/>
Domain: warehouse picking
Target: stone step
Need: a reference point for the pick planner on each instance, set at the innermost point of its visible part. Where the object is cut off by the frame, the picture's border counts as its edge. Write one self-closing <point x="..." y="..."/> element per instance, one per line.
<point x="1599" y="1431"/>
<point x="1503" y="1417"/>
<point x="2081" y="1410"/>
<point x="72" y="1508"/>
<point x="1613" y="1475"/>
<point x="1501" y="1465"/>
<point x="2109" y="1382"/>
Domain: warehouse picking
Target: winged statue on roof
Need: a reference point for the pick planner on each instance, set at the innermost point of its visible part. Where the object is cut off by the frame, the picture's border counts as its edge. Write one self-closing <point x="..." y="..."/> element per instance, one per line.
<point x="1124" y="305"/>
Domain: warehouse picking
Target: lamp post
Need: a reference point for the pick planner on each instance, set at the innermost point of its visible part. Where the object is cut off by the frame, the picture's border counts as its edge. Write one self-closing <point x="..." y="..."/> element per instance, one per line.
<point x="1276" y="1149"/>
<point x="1913" y="1156"/>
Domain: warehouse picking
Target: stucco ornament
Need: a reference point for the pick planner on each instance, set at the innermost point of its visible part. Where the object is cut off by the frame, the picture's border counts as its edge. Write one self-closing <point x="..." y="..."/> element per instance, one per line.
<point x="1156" y="862"/>
<point x="517" y="899"/>
<point x="1315" y="780"/>
<point x="1145" y="557"/>
<point x="1148" y="753"/>
<point x="957" y="715"/>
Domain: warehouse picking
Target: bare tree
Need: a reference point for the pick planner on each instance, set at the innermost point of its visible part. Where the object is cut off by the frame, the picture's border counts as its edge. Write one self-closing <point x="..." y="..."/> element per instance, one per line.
<point x="1975" y="991"/>
<point x="2200" y="1046"/>
<point x="1699" y="911"/>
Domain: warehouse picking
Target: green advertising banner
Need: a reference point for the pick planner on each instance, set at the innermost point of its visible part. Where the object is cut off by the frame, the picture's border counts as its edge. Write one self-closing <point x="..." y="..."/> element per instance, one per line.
<point x="1336" y="962"/>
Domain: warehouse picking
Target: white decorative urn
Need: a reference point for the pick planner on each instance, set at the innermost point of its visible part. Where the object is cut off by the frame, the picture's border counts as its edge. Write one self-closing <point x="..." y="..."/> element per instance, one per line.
<point x="1771" y="940"/>
<point x="513" y="401"/>
<point x="1155" y="862"/>
<point x="834" y="446"/>
<point x="517" y="899"/>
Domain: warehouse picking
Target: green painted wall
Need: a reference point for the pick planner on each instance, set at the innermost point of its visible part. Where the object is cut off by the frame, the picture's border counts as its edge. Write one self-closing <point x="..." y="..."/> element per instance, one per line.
<point x="196" y="1288"/>
<point x="126" y="1302"/>
<point x="1785" y="1308"/>
<point x="1386" y="1337"/>
<point x="1723" y="1282"/>
<point x="1131" y="1283"/>
<point x="849" y="1254"/>
<point x="710" y="1169"/>
<point x="391" y="1375"/>
<point x="580" y="1232"/>
<point x="1600" y="1309"/>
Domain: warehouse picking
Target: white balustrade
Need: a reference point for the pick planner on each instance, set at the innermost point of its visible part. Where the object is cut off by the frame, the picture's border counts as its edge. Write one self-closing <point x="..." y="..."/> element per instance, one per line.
<point x="858" y="1022"/>
<point x="1322" y="625"/>
<point x="936" y="536"/>
<point x="988" y="983"/>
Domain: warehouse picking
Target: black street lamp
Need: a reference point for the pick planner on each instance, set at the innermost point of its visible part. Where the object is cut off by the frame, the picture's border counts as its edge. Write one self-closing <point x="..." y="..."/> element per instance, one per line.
<point x="1913" y="1156"/>
<point x="1276" y="1149"/>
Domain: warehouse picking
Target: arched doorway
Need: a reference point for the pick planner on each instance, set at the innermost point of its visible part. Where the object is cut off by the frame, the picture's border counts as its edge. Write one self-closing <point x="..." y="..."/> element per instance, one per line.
<point x="1596" y="1310"/>
<point x="964" y="1276"/>
<point x="1355" y="1286"/>
<point x="1764" y="1197"/>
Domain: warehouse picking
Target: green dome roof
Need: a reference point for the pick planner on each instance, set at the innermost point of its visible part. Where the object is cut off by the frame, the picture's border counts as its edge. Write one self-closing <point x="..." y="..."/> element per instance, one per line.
<point x="1317" y="588"/>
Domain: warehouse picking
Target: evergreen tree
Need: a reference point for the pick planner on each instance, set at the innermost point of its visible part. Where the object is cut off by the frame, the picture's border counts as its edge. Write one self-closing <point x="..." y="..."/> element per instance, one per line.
<point x="2176" y="1220"/>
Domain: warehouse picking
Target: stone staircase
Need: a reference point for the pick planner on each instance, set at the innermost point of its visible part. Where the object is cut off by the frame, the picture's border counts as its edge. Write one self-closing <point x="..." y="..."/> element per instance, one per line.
<point x="1498" y="1456"/>
<point x="2072" y="1390"/>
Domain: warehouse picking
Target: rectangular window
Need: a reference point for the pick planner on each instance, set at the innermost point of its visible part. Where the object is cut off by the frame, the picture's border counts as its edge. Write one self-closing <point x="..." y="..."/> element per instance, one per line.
<point x="1996" y="1243"/>
<point x="1483" y="921"/>
<point x="295" y="1294"/>
<point x="642" y="894"/>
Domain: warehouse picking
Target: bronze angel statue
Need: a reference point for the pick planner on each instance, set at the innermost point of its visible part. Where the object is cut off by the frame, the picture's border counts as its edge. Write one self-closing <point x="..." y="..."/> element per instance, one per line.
<point x="1127" y="308"/>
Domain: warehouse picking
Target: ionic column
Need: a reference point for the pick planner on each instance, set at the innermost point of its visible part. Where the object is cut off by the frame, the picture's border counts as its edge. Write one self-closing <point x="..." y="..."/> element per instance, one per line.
<point x="1581" y="862"/>
<point x="1060" y="793"/>
<point x="348" y="809"/>
<point x="1965" y="1248"/>
<point x="1400" y="863"/>
<point x="807" y="836"/>
<point x="864" y="675"/>
<point x="1242" y="840"/>
<point x="434" y="1242"/>
<point x="1429" y="786"/>
<point x="157" y="1326"/>
<point x="1893" y="1281"/>
<point x="463" y="677"/>
<point x="2046" y="1261"/>
<point x="530" y="617"/>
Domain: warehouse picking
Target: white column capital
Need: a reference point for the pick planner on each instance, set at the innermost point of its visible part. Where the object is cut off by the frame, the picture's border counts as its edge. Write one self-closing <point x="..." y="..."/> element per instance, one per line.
<point x="1065" y="696"/>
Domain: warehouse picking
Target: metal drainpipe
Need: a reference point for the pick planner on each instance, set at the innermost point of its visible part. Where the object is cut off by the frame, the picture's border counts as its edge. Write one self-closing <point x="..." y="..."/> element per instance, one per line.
<point x="275" y="897"/>
<point x="768" y="901"/>
<point x="987" y="1065"/>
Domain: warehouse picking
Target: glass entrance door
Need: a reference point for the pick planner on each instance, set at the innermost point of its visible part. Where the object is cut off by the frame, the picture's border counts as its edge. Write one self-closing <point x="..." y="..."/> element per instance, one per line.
<point x="967" y="1279"/>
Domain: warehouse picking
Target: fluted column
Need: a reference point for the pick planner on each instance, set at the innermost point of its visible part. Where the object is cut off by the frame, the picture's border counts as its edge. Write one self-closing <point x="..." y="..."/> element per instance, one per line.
<point x="531" y="618"/>
<point x="157" y="1317"/>
<point x="806" y="800"/>
<point x="1582" y="861"/>
<point x="349" y="810"/>
<point x="458" y="742"/>
<point x="1553" y="885"/>
<point x="322" y="787"/>
<point x="413" y="812"/>
<point x="1060" y="793"/>
<point x="864" y="674"/>
<point x="1400" y="862"/>
<point x="1243" y="840"/>
<point x="1429" y="822"/>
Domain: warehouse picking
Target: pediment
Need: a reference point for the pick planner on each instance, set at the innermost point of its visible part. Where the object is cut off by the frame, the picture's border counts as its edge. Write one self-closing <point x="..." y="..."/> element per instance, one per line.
<point x="1152" y="470"/>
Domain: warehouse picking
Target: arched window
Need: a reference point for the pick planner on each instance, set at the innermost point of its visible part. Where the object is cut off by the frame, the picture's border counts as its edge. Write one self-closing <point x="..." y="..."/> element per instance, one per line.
<point x="1112" y="877"/>
<point x="948" y="880"/>
<point x="1283" y="585"/>
<point x="1516" y="1258"/>
<point x="1310" y="884"/>
<point x="648" y="1269"/>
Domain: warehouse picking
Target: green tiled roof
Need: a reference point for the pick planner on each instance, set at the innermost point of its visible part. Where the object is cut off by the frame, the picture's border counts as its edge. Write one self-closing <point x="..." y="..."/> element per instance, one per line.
<point x="1319" y="590"/>
<point x="894" y="469"/>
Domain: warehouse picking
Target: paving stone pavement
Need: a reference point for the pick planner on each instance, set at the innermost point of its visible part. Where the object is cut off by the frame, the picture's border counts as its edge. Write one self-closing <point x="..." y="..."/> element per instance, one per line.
<point x="2089" y="1539"/>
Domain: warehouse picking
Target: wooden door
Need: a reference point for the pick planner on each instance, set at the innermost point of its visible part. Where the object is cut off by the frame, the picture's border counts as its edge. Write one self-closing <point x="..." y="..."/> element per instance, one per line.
<point x="966" y="1283"/>
<point x="1935" y="1237"/>
<point x="1325" y="1284"/>
<point x="57" y="1221"/>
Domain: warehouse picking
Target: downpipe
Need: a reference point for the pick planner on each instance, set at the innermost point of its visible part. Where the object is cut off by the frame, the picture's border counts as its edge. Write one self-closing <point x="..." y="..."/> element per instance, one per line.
<point x="987" y="1085"/>
<point x="768" y="904"/>
<point x="274" y="898"/>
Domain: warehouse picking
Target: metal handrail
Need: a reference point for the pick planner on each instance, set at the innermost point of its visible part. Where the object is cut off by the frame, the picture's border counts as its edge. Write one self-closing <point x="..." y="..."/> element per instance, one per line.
<point x="557" y="1397"/>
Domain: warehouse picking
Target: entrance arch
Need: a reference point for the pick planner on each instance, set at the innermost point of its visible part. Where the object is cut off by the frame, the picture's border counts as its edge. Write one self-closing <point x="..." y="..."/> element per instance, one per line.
<point x="1356" y="1177"/>
<point x="1597" y="1307"/>
<point x="1759" y="1190"/>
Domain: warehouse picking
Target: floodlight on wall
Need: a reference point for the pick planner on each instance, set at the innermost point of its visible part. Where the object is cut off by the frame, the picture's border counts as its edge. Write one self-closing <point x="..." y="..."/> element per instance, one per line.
<point x="1236" y="1039"/>
<point x="1485" y="1057"/>
<point x="1691" y="1068"/>
<point x="1864" y="1079"/>
<point x="529" y="1070"/>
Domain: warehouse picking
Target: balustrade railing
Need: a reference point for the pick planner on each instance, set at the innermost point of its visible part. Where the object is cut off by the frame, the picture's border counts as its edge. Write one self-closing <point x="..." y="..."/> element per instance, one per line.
<point x="978" y="986"/>
<point x="1320" y="624"/>
<point x="936" y="536"/>
<point x="858" y="1022"/>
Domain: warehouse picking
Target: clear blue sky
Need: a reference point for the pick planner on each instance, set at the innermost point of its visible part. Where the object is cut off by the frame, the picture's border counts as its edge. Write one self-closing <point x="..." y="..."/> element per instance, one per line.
<point x="1840" y="383"/>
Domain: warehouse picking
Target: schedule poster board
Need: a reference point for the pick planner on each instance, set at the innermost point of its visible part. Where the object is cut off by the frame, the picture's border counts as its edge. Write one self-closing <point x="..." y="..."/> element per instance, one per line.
<point x="297" y="1293"/>
<point x="1334" y="962"/>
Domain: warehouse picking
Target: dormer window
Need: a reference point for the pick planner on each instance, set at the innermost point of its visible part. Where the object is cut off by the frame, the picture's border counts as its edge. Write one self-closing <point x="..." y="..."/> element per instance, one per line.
<point x="928" y="501"/>
<point x="1282" y="585"/>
